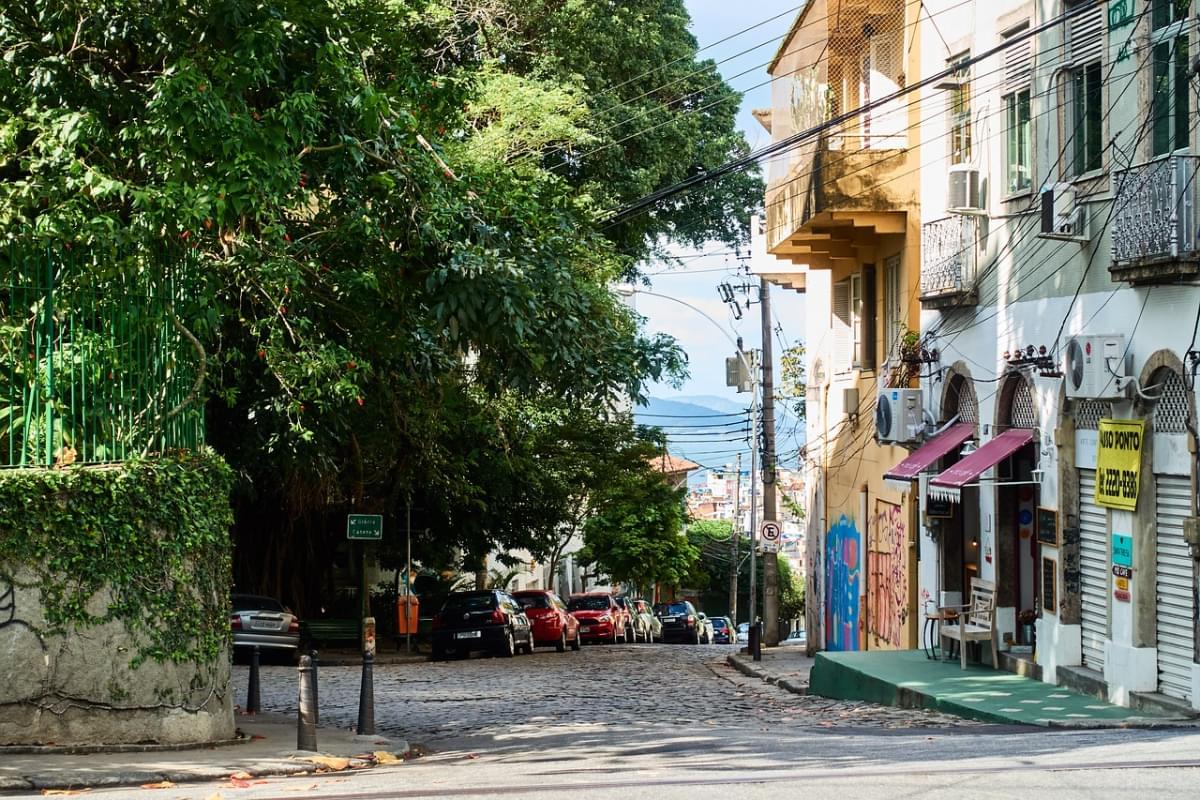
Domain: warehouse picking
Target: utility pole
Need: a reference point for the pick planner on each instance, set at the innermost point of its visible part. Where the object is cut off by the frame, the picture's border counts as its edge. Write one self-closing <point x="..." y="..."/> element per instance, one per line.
<point x="754" y="503"/>
<point x="735" y="533"/>
<point x="770" y="559"/>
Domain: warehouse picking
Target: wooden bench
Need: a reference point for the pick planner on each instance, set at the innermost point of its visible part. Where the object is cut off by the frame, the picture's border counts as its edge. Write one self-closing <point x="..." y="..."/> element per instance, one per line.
<point x="976" y="621"/>
<point x="330" y="630"/>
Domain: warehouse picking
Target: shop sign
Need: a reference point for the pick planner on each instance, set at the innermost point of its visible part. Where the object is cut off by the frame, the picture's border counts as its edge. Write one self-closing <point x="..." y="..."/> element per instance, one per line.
<point x="1119" y="463"/>
<point x="1122" y="572"/>
<point x="1122" y="550"/>
<point x="1123" y="584"/>
<point x="1122" y="595"/>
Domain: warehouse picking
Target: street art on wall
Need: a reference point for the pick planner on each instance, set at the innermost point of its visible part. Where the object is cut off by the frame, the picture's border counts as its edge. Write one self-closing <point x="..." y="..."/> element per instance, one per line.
<point x="842" y="571"/>
<point x="887" y="565"/>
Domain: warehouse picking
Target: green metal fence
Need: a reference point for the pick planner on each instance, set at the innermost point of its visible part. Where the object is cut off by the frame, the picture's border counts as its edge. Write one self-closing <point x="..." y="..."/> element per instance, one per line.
<point x="93" y="367"/>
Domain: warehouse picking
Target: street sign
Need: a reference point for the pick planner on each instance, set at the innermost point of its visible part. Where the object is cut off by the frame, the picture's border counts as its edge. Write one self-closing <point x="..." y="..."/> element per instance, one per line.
<point x="769" y="533"/>
<point x="364" y="527"/>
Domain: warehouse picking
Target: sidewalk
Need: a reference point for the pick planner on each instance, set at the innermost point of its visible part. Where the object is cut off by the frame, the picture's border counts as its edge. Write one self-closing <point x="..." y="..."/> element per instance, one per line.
<point x="267" y="747"/>
<point x="787" y="667"/>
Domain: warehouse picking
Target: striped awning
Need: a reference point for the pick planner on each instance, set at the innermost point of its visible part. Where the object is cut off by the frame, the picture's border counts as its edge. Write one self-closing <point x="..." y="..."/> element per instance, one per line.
<point x="948" y="485"/>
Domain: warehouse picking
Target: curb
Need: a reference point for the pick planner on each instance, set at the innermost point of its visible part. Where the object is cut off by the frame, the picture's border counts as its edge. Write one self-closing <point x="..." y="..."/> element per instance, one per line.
<point x="752" y="671"/>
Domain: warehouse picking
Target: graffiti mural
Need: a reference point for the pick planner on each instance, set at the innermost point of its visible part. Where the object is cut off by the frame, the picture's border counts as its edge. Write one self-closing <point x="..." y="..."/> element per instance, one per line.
<point x="887" y="565"/>
<point x="842" y="571"/>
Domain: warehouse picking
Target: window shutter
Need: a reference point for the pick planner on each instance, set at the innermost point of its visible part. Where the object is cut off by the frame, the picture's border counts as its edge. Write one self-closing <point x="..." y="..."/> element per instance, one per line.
<point x="1018" y="63"/>
<point x="1085" y="36"/>
<point x="840" y="323"/>
<point x="866" y="359"/>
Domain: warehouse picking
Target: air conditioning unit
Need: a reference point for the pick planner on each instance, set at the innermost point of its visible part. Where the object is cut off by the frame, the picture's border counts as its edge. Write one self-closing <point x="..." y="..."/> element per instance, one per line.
<point x="1062" y="217"/>
<point x="962" y="193"/>
<point x="899" y="416"/>
<point x="1095" y="367"/>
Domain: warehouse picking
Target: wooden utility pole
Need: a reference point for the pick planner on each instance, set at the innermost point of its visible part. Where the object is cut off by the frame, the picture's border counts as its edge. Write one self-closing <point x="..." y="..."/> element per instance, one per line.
<point x="735" y="533"/>
<point x="770" y="558"/>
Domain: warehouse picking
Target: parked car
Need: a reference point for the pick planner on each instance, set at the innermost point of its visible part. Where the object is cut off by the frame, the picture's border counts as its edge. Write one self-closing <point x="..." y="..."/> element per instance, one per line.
<point x="263" y="622"/>
<point x="707" y="634"/>
<point x="553" y="625"/>
<point x="600" y="618"/>
<point x="652" y="625"/>
<point x="637" y="629"/>
<point x="723" y="632"/>
<point x="489" y="620"/>
<point x="743" y="631"/>
<point x="680" y="622"/>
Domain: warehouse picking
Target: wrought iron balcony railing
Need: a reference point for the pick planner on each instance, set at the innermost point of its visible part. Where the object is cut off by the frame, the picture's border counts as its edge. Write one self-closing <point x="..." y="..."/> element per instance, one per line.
<point x="948" y="257"/>
<point x="1155" y="214"/>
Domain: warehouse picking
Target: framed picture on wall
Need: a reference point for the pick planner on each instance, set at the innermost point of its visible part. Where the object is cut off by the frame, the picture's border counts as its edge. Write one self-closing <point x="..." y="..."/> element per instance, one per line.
<point x="1047" y="526"/>
<point x="1049" y="567"/>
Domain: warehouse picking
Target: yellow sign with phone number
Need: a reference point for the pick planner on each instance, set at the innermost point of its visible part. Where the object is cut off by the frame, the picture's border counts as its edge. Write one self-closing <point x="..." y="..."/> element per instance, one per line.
<point x="1119" y="462"/>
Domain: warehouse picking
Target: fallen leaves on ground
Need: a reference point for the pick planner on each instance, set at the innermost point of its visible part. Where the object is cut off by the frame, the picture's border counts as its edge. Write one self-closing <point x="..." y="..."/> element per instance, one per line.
<point x="471" y="756"/>
<point x="159" y="785"/>
<point x="384" y="757"/>
<point x="241" y="775"/>
<point x="328" y="762"/>
<point x="62" y="792"/>
<point x="215" y="796"/>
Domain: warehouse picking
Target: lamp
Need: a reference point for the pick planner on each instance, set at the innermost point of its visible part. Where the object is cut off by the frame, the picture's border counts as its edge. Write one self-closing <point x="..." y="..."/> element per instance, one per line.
<point x="968" y="448"/>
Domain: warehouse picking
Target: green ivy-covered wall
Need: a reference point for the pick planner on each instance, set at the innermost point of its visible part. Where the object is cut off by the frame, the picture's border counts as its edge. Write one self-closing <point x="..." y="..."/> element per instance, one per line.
<point x="114" y="594"/>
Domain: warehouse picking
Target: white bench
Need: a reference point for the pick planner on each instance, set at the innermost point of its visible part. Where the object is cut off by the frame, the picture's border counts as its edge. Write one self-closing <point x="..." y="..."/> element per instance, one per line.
<point x="976" y="621"/>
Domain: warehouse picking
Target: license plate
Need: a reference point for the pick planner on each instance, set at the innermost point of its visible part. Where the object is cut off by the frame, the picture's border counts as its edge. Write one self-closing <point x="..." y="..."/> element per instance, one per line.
<point x="264" y="626"/>
<point x="668" y="619"/>
<point x="585" y="629"/>
<point x="468" y="635"/>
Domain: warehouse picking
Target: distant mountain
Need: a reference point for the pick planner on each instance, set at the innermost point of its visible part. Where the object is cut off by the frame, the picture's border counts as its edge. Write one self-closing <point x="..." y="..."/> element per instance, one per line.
<point x="701" y="408"/>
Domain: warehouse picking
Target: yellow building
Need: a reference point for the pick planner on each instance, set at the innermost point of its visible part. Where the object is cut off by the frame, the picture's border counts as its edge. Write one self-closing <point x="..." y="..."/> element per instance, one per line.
<point x="842" y="224"/>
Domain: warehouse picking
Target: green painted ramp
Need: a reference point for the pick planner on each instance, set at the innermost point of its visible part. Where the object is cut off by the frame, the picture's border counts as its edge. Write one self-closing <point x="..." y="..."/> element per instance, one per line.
<point x="906" y="678"/>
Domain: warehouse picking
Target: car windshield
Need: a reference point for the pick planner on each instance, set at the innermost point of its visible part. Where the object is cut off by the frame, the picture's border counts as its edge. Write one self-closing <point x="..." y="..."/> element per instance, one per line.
<point x="622" y="602"/>
<point x="470" y="601"/>
<point x="672" y="608"/>
<point x="253" y="602"/>
<point x="718" y="622"/>
<point x="589" y="604"/>
<point x="533" y="601"/>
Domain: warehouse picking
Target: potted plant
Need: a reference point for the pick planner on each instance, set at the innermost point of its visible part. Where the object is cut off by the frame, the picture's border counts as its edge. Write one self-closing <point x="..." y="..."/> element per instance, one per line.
<point x="1026" y="618"/>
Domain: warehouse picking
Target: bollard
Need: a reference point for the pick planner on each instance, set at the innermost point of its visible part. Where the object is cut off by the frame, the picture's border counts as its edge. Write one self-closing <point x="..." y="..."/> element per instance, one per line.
<point x="366" y="697"/>
<point x="752" y="642"/>
<point x="306" y="723"/>
<point x="253" y="697"/>
<point x="758" y="637"/>
<point x="316" y="688"/>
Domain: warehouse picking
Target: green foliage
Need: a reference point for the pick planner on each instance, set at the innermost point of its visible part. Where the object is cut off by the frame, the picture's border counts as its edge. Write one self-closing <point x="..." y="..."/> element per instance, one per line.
<point x="148" y="540"/>
<point x="635" y="533"/>
<point x="792" y="389"/>
<point x="710" y="577"/>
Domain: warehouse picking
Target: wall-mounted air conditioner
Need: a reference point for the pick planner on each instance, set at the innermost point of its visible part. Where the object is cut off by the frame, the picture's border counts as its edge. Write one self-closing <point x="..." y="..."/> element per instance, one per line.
<point x="899" y="416"/>
<point x="1095" y="367"/>
<point x="962" y="192"/>
<point x="1062" y="216"/>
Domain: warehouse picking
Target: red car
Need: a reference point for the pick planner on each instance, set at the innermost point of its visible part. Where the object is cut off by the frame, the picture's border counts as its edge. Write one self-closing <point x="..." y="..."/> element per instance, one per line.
<point x="600" y="618"/>
<point x="553" y="625"/>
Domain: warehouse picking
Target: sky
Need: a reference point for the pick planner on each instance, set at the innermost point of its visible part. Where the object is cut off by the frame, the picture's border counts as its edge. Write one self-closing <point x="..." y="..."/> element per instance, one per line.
<point x="697" y="281"/>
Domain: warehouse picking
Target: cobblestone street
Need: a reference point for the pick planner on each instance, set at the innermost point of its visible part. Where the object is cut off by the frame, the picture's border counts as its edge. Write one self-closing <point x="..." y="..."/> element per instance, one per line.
<point x="680" y="687"/>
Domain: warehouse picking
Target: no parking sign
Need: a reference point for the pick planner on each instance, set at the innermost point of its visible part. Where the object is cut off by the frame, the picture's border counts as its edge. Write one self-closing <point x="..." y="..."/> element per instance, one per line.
<point x="769" y="533"/>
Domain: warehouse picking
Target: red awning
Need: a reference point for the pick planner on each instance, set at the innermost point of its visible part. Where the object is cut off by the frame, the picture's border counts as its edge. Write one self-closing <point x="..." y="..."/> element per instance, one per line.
<point x="949" y="484"/>
<point x="927" y="454"/>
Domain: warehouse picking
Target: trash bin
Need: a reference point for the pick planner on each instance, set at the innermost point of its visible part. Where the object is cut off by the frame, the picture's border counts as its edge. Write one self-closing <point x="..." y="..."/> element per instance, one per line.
<point x="407" y="614"/>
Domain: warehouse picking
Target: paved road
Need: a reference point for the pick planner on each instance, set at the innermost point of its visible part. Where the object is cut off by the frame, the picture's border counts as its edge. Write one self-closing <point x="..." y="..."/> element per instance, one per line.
<point x="663" y="722"/>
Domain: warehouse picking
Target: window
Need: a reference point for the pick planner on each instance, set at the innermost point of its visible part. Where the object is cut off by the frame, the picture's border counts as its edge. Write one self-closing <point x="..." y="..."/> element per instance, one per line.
<point x="853" y="321"/>
<point x="960" y="114"/>
<point x="840" y="326"/>
<point x="856" y="320"/>
<point x="1017" y="155"/>
<point x="1018" y="68"/>
<point x="1169" y="102"/>
<point x="893" y="313"/>
<point x="1084" y="126"/>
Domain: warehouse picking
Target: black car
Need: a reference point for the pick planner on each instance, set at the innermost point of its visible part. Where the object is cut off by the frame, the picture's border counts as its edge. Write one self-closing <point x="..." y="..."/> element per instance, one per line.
<point x="722" y="630"/>
<point x="680" y="622"/>
<point x="489" y="621"/>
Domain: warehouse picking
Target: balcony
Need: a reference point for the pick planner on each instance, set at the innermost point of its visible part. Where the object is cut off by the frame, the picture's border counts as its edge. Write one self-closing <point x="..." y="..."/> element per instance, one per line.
<point x="948" y="262"/>
<point x="1154" y="222"/>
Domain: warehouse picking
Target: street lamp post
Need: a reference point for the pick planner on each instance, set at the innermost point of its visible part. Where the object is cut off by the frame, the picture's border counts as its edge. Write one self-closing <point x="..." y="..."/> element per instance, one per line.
<point x="628" y="290"/>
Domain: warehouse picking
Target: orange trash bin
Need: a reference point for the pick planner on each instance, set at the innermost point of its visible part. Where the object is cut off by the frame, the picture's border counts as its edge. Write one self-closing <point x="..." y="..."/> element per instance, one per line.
<point x="407" y="614"/>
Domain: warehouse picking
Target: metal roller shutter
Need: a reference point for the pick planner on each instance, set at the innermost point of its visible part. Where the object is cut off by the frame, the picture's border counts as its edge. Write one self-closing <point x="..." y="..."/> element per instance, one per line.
<point x="1173" y="562"/>
<point x="1093" y="571"/>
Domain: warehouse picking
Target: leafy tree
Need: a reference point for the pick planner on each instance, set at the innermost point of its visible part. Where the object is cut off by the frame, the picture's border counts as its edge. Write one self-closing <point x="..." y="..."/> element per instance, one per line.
<point x="792" y="389"/>
<point x="635" y="532"/>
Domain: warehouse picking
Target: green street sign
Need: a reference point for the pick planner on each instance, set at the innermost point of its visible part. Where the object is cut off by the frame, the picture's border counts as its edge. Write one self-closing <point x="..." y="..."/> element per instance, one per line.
<point x="364" y="527"/>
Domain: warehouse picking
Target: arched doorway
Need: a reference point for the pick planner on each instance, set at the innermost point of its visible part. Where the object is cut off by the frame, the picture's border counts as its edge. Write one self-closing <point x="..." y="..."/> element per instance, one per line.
<point x="1015" y="551"/>
<point x="958" y="523"/>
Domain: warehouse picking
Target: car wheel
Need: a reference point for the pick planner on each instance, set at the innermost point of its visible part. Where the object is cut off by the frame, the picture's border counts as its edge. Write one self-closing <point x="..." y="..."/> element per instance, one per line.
<point x="438" y="654"/>
<point x="695" y="637"/>
<point x="529" y="643"/>
<point x="614" y="638"/>
<point x="508" y="647"/>
<point x="578" y="643"/>
<point x="562" y="642"/>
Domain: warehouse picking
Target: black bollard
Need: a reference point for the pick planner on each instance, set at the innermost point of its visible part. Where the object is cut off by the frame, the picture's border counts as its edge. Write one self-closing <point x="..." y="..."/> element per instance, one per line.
<point x="752" y="642"/>
<point x="366" y="696"/>
<point x="758" y="637"/>
<point x="306" y="723"/>
<point x="253" y="697"/>
<point x="316" y="689"/>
